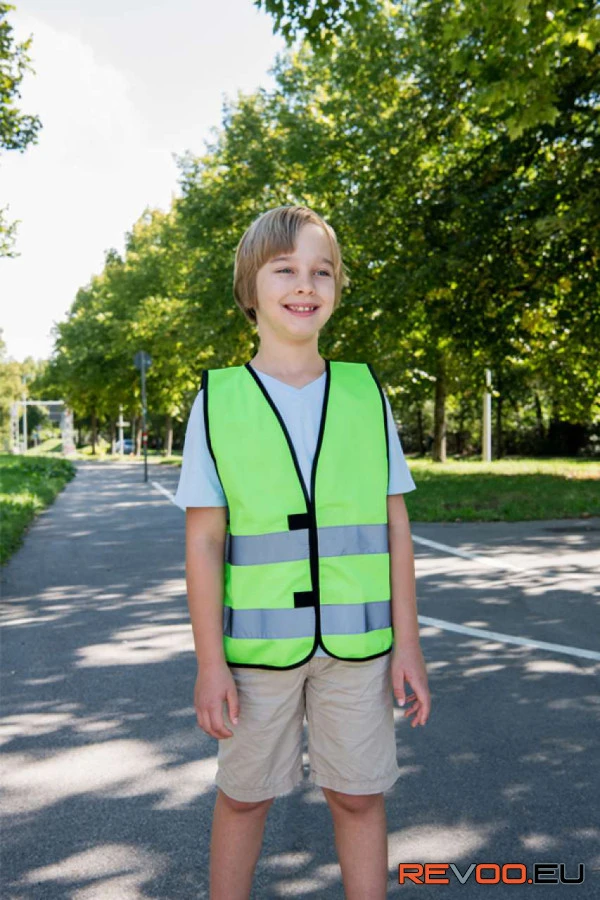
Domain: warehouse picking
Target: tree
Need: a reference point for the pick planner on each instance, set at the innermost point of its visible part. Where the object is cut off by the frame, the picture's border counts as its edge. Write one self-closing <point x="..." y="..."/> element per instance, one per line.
<point x="470" y="228"/>
<point x="17" y="129"/>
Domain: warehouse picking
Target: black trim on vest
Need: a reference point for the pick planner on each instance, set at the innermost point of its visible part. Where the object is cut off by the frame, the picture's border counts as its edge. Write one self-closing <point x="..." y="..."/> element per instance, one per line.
<point x="303" y="598"/>
<point x="385" y="418"/>
<point x="204" y="387"/>
<point x="313" y="534"/>
<point x="309" y="520"/>
<point x="309" y="517"/>
<point x="283" y="427"/>
<point x="298" y="520"/>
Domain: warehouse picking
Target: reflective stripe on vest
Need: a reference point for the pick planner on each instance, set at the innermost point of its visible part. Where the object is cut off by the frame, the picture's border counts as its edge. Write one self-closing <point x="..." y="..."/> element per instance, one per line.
<point x="336" y="540"/>
<point x="304" y="565"/>
<point x="351" y="618"/>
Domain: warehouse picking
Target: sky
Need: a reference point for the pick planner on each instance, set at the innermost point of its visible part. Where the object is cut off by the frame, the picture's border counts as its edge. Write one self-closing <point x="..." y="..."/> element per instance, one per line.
<point x="120" y="89"/>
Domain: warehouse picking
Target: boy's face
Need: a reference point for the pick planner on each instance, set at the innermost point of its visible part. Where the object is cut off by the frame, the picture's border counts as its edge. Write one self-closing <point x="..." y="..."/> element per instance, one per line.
<point x="302" y="278"/>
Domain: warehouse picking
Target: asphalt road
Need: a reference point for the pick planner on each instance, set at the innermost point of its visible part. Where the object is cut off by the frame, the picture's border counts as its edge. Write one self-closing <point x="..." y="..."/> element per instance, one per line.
<point x="107" y="779"/>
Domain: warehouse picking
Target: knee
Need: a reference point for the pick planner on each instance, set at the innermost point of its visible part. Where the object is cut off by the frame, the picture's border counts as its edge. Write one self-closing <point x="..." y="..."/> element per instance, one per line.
<point x="257" y="807"/>
<point x="352" y="803"/>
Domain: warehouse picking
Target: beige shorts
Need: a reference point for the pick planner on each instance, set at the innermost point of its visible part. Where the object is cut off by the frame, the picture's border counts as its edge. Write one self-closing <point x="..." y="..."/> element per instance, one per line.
<point x="350" y="717"/>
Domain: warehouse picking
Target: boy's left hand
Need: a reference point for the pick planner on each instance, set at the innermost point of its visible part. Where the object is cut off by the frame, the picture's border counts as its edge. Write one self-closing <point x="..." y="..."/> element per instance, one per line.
<point x="408" y="664"/>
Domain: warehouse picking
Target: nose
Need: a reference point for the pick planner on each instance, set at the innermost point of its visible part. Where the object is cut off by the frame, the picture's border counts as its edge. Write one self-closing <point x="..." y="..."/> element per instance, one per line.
<point x="304" y="284"/>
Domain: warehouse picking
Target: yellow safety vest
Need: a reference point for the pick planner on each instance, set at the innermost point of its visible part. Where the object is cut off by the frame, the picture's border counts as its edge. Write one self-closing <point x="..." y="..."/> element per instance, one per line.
<point x="302" y="568"/>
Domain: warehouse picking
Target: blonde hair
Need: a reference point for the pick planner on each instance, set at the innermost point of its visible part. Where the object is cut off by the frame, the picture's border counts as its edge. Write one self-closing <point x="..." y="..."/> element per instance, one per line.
<point x="273" y="233"/>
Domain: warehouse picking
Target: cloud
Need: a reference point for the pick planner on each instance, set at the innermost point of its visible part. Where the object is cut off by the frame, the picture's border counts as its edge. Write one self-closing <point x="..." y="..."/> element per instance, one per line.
<point x="80" y="188"/>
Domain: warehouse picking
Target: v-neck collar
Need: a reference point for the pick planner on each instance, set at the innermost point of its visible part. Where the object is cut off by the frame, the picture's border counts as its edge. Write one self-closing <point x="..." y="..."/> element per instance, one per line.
<point x="292" y="387"/>
<point x="308" y="496"/>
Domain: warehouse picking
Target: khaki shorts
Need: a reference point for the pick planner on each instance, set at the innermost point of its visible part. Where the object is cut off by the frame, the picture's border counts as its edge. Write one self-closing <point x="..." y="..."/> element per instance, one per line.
<point x="351" y="740"/>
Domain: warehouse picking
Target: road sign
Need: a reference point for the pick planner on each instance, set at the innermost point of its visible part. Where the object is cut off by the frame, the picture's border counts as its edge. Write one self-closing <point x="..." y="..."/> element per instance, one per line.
<point x="142" y="360"/>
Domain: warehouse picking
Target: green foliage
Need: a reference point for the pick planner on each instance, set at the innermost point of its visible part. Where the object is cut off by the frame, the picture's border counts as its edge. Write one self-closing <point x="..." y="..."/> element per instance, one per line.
<point x="28" y="484"/>
<point x="17" y="379"/>
<point x="17" y="129"/>
<point x="454" y="149"/>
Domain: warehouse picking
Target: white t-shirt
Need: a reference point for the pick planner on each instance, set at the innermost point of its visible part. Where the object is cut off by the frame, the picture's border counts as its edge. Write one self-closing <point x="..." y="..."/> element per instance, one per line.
<point x="300" y="409"/>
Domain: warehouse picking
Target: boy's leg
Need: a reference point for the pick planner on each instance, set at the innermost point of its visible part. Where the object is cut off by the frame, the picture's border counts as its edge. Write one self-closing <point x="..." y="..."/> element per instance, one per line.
<point x="360" y="829"/>
<point x="237" y="835"/>
<point x="352" y="751"/>
<point x="262" y="760"/>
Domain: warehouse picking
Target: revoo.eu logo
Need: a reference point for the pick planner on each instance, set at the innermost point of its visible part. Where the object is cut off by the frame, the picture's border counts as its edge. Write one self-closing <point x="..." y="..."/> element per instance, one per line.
<point x="490" y="873"/>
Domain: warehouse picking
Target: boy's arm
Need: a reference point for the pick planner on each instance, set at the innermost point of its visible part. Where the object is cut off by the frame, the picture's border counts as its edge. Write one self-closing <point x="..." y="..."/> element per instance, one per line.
<point x="407" y="658"/>
<point x="205" y="535"/>
<point x="205" y="530"/>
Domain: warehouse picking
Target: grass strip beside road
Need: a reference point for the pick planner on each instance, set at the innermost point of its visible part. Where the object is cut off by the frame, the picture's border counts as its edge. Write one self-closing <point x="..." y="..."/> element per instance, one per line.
<point x="28" y="484"/>
<point x="513" y="489"/>
<point x="505" y="490"/>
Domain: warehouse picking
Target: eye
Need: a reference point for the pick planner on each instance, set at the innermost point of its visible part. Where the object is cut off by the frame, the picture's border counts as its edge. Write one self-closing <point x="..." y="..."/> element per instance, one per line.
<point x="288" y="269"/>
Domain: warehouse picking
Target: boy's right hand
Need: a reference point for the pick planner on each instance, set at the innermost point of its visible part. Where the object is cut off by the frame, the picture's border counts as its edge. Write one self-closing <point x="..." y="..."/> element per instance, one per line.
<point x="215" y="686"/>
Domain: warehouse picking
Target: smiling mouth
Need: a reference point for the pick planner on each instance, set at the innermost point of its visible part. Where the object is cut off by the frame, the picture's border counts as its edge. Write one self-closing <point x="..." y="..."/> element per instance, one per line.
<point x="301" y="309"/>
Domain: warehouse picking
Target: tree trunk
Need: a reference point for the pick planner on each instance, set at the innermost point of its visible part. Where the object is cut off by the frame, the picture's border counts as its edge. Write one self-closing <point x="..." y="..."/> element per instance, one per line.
<point x="439" y="416"/>
<point x="499" y="447"/>
<point x="541" y="431"/>
<point x="113" y="435"/>
<point x="94" y="433"/>
<point x="169" y="436"/>
<point x="420" y="435"/>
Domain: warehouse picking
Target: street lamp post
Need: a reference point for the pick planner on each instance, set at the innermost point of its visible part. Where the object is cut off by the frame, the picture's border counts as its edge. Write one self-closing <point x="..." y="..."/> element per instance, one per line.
<point x="143" y="361"/>
<point x="486" y="443"/>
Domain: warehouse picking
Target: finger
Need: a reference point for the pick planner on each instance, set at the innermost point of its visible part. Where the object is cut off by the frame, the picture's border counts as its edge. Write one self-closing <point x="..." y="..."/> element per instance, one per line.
<point x="217" y="724"/>
<point x="426" y="708"/>
<point x="400" y="695"/>
<point x="233" y="704"/>
<point x="422" y="715"/>
<point x="411" y="710"/>
<point x="203" y="722"/>
<point x="423" y="698"/>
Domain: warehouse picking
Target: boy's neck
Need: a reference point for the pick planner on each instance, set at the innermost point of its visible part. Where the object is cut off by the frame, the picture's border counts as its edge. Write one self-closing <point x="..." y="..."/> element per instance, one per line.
<point x="280" y="363"/>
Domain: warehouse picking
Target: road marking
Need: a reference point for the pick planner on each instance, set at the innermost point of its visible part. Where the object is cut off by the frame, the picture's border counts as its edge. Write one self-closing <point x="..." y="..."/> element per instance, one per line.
<point x="492" y="563"/>
<point x="466" y="629"/>
<point x="163" y="490"/>
<point x="509" y="638"/>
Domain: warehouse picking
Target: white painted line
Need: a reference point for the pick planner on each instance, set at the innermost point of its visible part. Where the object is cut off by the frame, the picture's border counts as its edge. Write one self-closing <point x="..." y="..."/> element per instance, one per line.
<point x="509" y="638"/>
<point x="163" y="490"/>
<point x="466" y="629"/>
<point x="492" y="563"/>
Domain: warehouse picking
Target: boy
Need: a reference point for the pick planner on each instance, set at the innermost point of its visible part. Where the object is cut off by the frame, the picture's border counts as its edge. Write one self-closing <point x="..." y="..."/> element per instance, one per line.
<point x="299" y="566"/>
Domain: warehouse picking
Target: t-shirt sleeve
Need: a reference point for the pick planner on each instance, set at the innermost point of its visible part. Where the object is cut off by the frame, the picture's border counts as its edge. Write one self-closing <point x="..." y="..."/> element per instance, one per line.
<point x="400" y="480"/>
<point x="199" y="483"/>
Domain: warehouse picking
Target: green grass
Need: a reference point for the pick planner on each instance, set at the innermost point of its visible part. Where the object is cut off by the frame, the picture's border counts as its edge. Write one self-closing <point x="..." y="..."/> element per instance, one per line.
<point x="174" y="460"/>
<point x="28" y="484"/>
<point x="51" y="445"/>
<point x="509" y="490"/>
<point x="104" y="455"/>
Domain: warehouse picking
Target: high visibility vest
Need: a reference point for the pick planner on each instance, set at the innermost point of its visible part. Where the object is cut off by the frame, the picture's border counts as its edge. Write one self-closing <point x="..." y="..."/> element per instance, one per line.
<point x="302" y="568"/>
